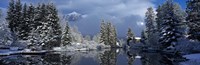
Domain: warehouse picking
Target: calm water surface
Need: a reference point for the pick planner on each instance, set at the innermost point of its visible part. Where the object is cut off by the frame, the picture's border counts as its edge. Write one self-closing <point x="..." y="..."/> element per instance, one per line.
<point x="103" y="57"/>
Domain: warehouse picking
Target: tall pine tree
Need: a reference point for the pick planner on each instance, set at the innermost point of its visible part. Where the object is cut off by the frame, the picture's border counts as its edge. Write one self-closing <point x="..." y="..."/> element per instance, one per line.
<point x="162" y="10"/>
<point x="66" y="38"/>
<point x="150" y="21"/>
<point x="169" y="34"/>
<point x="151" y="27"/>
<point x="108" y="34"/>
<point x="193" y="19"/>
<point x="24" y="24"/>
<point x="18" y="17"/>
<point x="11" y="15"/>
<point x="130" y="36"/>
<point x="102" y="32"/>
<point x="53" y="19"/>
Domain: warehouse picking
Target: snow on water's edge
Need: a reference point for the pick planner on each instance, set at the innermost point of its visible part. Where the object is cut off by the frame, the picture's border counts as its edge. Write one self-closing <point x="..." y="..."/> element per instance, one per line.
<point x="82" y="47"/>
<point x="194" y="59"/>
<point x="193" y="56"/>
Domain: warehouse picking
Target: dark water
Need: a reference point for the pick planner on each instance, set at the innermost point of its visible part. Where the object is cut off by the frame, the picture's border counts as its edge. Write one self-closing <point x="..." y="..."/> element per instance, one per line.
<point x="103" y="57"/>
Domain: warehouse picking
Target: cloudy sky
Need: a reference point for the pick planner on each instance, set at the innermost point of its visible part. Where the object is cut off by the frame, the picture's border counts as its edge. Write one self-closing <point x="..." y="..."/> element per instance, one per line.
<point x="122" y="13"/>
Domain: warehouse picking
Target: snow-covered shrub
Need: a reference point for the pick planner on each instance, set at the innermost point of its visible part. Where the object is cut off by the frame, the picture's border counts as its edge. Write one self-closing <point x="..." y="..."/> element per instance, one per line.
<point x="96" y="38"/>
<point x="76" y="35"/>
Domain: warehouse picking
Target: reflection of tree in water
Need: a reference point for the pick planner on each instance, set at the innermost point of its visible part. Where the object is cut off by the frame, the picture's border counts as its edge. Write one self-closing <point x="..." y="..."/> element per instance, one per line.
<point x="131" y="57"/>
<point x="159" y="59"/>
<point x="22" y="60"/>
<point x="58" y="59"/>
<point x="108" y="57"/>
<point x="49" y="59"/>
<point x="151" y="58"/>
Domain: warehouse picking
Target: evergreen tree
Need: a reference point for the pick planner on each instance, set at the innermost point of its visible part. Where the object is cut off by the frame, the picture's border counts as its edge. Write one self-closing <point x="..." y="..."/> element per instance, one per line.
<point x="193" y="19"/>
<point x="159" y="18"/>
<point x="169" y="33"/>
<point x="11" y="15"/>
<point x="46" y="35"/>
<point x="24" y="24"/>
<point x="54" y="22"/>
<point x="38" y="16"/>
<point x="113" y="36"/>
<point x="14" y="17"/>
<point x="34" y="40"/>
<point x="161" y="14"/>
<point x="108" y="34"/>
<point x="150" y="21"/>
<point x="66" y="38"/>
<point x="18" y="17"/>
<point x="130" y="35"/>
<point x="102" y="33"/>
<point x="31" y="17"/>
<point x="150" y="26"/>
<point x="54" y="19"/>
<point x="45" y="29"/>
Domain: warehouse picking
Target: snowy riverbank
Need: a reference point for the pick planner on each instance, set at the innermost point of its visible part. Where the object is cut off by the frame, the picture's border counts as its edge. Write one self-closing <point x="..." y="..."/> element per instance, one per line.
<point x="193" y="59"/>
<point x="90" y="45"/>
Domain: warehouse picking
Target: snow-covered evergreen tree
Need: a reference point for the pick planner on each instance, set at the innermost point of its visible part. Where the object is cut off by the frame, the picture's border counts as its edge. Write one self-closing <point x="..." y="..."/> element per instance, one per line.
<point x="11" y="15"/>
<point x="46" y="35"/>
<point x="18" y="18"/>
<point x="113" y="36"/>
<point x="31" y="18"/>
<point x="66" y="38"/>
<point x="24" y="26"/>
<point x="38" y="16"/>
<point x="15" y="18"/>
<point x="130" y="35"/>
<point x="102" y="32"/>
<point x="169" y="34"/>
<point x="34" y="40"/>
<point x="150" y="21"/>
<point x="54" y="20"/>
<point x="150" y="27"/>
<point x="193" y="19"/>
<point x="161" y="14"/>
<point x="108" y="34"/>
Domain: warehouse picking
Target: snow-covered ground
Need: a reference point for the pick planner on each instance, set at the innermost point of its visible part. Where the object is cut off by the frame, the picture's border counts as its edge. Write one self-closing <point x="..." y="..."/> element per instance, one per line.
<point x="188" y="46"/>
<point x="194" y="59"/>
